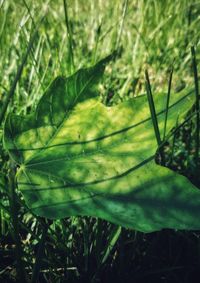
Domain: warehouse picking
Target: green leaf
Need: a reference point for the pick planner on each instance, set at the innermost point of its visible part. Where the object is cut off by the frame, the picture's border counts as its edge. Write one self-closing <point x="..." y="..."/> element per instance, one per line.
<point x="78" y="157"/>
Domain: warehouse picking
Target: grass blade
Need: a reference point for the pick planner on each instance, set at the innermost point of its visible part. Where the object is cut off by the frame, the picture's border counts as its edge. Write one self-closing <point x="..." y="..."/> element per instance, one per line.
<point x="29" y="12"/>
<point x="98" y="33"/>
<point x="125" y="6"/>
<point x="113" y="238"/>
<point x="167" y="102"/>
<point x="112" y="241"/>
<point x="69" y="36"/>
<point x="39" y="255"/>
<point x="152" y="109"/>
<point x="194" y="64"/>
<point x="173" y="142"/>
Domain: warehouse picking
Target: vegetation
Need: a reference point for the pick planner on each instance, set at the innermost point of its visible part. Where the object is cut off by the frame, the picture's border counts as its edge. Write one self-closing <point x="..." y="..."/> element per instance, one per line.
<point x="41" y="40"/>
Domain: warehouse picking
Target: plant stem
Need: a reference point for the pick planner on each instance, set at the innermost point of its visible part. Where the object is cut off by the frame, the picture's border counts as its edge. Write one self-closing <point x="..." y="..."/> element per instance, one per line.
<point x="14" y="215"/>
<point x="69" y="36"/>
<point x="194" y="64"/>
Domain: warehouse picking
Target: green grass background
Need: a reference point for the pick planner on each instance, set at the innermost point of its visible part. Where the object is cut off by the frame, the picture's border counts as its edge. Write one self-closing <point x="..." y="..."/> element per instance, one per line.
<point x="152" y="34"/>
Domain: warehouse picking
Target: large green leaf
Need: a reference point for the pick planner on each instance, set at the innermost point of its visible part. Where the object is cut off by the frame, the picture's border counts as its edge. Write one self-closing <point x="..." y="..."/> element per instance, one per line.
<point x="78" y="157"/>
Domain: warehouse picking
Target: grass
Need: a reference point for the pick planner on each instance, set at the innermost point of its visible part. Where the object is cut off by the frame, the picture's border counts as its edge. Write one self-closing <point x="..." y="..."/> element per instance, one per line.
<point x="194" y="63"/>
<point x="70" y="34"/>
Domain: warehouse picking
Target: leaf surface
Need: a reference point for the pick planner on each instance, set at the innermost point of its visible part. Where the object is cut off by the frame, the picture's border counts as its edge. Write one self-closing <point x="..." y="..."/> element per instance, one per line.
<point x="78" y="157"/>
